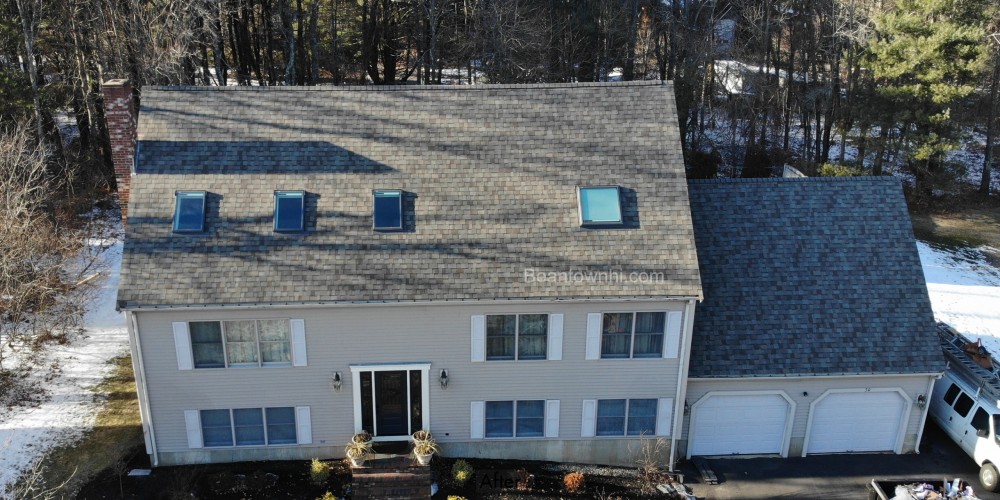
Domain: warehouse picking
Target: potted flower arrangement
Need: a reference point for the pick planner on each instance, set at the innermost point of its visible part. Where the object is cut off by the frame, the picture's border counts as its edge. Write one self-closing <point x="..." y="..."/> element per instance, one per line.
<point x="359" y="448"/>
<point x="424" y="446"/>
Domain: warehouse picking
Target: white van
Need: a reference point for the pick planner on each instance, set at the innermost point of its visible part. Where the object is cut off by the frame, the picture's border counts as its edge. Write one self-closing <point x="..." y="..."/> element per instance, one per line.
<point x="965" y="404"/>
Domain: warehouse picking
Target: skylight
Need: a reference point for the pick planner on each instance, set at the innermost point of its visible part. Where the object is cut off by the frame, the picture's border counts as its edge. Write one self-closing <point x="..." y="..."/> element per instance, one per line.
<point x="189" y="212"/>
<point x="289" y="211"/>
<point x="388" y="210"/>
<point x="600" y="206"/>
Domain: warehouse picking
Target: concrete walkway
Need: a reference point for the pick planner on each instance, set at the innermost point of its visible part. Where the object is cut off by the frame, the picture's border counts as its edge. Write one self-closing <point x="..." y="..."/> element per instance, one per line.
<point x="834" y="476"/>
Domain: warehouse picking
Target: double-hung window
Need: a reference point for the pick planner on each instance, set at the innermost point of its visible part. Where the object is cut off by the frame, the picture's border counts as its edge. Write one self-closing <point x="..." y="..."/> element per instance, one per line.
<point x="516" y="336"/>
<point x="515" y="419"/>
<point x="248" y="427"/>
<point x="632" y="335"/>
<point x="626" y="417"/>
<point x="218" y="344"/>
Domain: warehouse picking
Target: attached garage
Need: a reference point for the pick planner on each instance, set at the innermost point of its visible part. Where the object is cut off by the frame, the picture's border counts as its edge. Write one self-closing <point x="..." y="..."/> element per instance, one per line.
<point x="843" y="422"/>
<point x="740" y="424"/>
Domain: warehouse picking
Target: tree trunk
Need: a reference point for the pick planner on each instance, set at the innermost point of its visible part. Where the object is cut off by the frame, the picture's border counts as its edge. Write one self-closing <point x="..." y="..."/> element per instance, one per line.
<point x="991" y="129"/>
<point x="29" y="15"/>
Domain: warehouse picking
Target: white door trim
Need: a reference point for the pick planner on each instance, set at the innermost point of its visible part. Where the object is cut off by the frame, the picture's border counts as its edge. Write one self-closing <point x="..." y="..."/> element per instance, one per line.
<point x="425" y="399"/>
<point x="907" y="408"/>
<point x="789" y="415"/>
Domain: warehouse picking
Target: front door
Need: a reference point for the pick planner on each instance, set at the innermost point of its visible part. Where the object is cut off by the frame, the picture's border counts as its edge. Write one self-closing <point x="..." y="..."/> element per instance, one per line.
<point x="391" y="401"/>
<point x="390" y="404"/>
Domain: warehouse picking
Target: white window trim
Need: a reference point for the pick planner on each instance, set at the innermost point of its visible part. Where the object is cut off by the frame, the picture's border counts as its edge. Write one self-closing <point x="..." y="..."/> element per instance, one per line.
<point x="628" y="405"/>
<point x="517" y="337"/>
<point x="631" y="347"/>
<point x="547" y="405"/>
<point x="189" y="419"/>
<point x="225" y="354"/>
<point x="425" y="392"/>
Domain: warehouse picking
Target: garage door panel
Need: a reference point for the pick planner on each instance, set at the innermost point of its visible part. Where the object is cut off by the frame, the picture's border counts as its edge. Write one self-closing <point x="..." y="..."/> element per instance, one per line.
<point x="856" y="422"/>
<point x="739" y="424"/>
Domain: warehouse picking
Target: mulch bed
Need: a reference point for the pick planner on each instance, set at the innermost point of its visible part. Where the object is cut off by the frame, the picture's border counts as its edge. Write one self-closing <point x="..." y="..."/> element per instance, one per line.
<point x="491" y="479"/>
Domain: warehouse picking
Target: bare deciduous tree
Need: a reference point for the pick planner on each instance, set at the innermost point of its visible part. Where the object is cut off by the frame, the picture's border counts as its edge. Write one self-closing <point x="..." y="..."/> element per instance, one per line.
<point x="35" y="275"/>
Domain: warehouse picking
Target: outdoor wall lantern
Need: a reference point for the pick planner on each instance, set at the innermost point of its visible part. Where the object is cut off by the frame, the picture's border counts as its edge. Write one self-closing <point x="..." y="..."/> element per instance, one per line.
<point x="443" y="379"/>
<point x="687" y="408"/>
<point x="337" y="381"/>
<point x="921" y="401"/>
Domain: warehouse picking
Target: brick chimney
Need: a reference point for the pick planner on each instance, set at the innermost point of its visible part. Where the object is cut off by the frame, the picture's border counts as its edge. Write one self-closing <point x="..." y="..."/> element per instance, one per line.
<point x="120" y="117"/>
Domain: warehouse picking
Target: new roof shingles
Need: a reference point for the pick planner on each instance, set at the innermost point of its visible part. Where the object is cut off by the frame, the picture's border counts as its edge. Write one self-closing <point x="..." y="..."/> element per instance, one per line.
<point x="816" y="276"/>
<point x="490" y="176"/>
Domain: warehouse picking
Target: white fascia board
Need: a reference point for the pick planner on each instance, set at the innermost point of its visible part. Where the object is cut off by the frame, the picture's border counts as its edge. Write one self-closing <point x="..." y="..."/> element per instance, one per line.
<point x="300" y="305"/>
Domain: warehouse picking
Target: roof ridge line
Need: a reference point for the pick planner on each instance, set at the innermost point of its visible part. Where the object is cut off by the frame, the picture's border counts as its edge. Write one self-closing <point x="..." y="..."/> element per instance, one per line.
<point x="403" y="88"/>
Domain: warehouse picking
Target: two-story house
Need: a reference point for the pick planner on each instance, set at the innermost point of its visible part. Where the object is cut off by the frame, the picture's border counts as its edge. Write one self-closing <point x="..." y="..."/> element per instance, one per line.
<point x="513" y="268"/>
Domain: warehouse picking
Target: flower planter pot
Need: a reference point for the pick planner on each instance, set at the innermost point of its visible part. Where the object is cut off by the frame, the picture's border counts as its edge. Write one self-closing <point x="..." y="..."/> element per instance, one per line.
<point x="357" y="461"/>
<point x="423" y="459"/>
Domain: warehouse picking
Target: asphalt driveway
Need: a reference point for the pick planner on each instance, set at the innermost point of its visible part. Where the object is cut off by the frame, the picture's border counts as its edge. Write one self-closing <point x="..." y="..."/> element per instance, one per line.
<point x="834" y="476"/>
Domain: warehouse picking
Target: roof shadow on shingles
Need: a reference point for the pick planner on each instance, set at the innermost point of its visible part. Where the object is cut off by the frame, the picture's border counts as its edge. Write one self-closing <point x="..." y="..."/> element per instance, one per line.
<point x="188" y="110"/>
<point x="251" y="157"/>
<point x="271" y="257"/>
<point x="808" y="277"/>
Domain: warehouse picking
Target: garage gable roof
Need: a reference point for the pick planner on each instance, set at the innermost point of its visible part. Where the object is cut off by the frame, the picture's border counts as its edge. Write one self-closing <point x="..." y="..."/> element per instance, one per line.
<point x="809" y="276"/>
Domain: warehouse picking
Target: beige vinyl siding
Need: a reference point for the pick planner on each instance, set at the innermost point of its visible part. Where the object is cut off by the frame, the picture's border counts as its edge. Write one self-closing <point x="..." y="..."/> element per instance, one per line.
<point x="439" y="334"/>
<point x="814" y="387"/>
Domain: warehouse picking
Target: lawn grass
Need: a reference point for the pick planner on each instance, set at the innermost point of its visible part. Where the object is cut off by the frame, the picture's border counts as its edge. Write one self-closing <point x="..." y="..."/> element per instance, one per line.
<point x="117" y="432"/>
<point x="961" y="222"/>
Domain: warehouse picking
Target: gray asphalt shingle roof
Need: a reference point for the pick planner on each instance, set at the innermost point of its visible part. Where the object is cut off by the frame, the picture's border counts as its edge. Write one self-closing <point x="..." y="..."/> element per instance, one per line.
<point x="816" y="276"/>
<point x="490" y="174"/>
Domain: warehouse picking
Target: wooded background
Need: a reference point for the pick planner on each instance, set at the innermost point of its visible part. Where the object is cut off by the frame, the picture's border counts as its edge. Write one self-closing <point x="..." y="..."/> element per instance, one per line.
<point x="836" y="87"/>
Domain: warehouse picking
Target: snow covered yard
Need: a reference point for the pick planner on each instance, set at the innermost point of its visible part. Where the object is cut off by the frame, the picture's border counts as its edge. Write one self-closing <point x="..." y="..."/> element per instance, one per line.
<point x="965" y="291"/>
<point x="69" y="406"/>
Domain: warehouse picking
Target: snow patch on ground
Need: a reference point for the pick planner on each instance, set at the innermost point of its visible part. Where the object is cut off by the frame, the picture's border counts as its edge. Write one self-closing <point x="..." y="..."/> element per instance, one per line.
<point x="70" y="407"/>
<point x="965" y="291"/>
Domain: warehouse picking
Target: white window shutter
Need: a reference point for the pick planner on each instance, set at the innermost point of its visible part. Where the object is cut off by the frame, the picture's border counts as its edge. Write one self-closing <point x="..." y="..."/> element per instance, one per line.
<point x="589" y="426"/>
<point x="672" y="339"/>
<point x="303" y="425"/>
<point x="182" y="343"/>
<point x="192" y="420"/>
<point x="664" y="416"/>
<point x="478" y="338"/>
<point x="554" y="349"/>
<point x="552" y="418"/>
<point x="593" y="336"/>
<point x="478" y="420"/>
<point x="299" y="342"/>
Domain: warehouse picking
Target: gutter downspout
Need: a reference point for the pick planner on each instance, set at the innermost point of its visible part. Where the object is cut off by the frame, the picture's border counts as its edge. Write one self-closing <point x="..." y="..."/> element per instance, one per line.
<point x="144" y="411"/>
<point x="927" y="409"/>
<point x="682" y="378"/>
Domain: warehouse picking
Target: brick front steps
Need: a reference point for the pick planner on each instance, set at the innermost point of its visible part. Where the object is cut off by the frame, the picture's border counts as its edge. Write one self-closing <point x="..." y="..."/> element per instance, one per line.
<point x="391" y="477"/>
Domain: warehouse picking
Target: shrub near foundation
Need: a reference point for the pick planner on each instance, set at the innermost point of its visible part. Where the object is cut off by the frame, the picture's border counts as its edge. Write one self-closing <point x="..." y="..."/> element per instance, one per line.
<point x="574" y="482"/>
<point x="461" y="471"/>
<point x="319" y="472"/>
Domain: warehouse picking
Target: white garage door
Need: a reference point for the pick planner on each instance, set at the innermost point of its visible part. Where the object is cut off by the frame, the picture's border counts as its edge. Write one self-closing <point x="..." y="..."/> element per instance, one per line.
<point x="856" y="421"/>
<point x="744" y="425"/>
